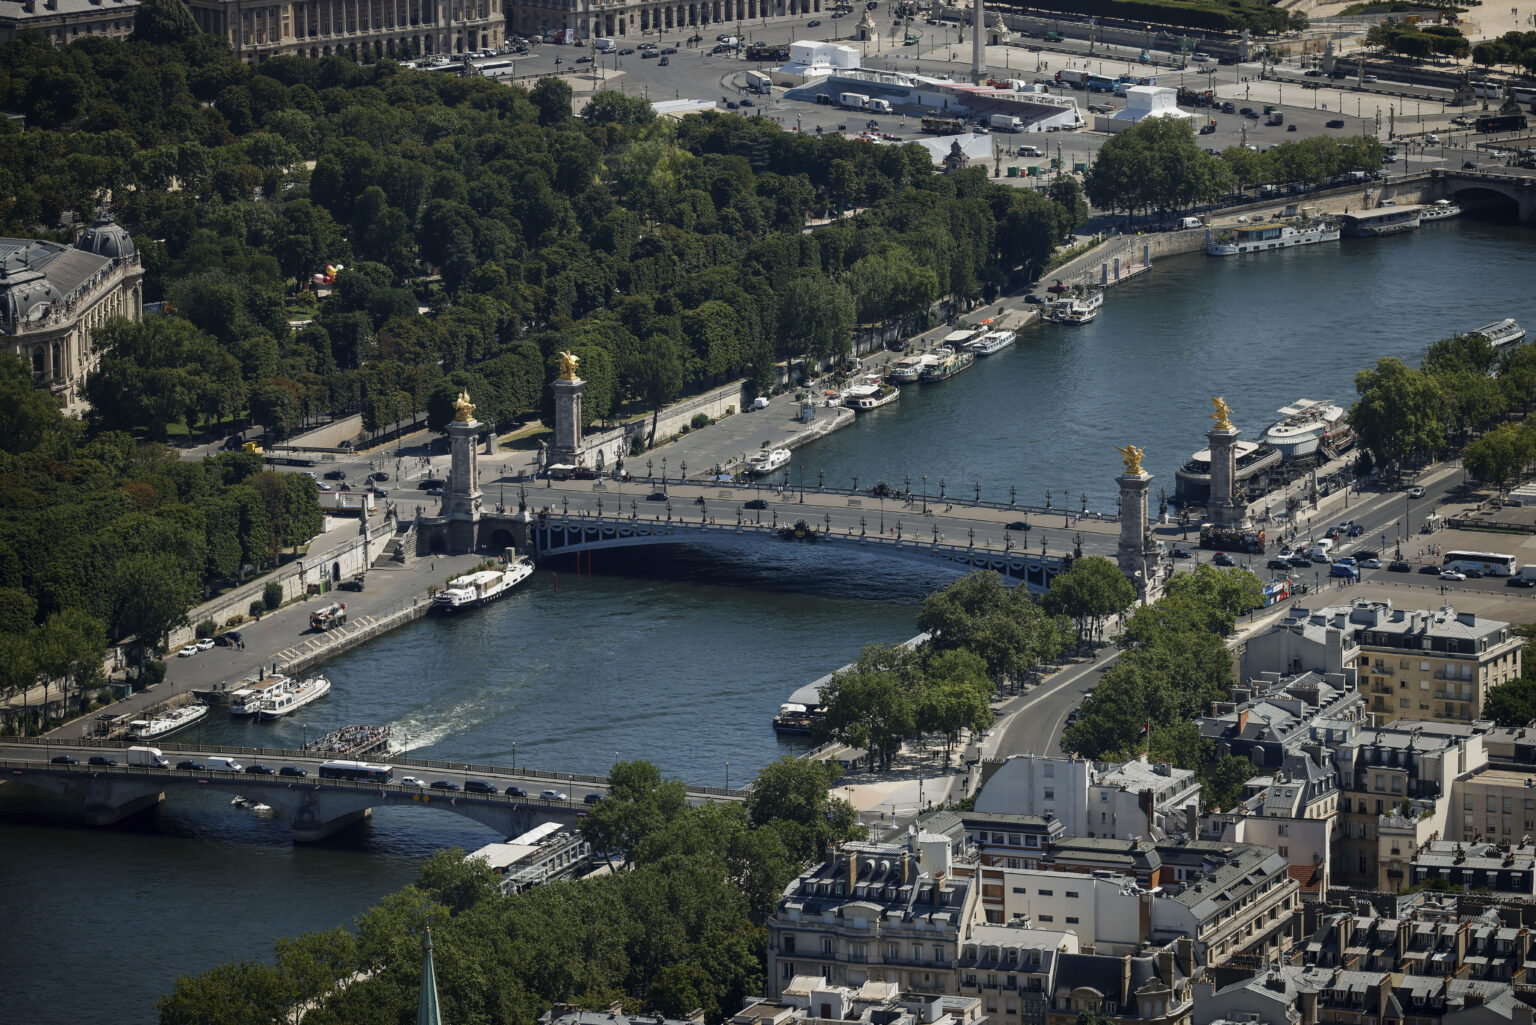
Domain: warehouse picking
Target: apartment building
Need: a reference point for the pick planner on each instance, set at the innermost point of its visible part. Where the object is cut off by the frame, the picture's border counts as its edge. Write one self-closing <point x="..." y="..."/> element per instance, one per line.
<point x="1492" y="804"/>
<point x="1274" y="717"/>
<point x="1293" y="995"/>
<point x="352" y="28"/>
<point x="1136" y="800"/>
<point x="1503" y="869"/>
<point x="810" y="999"/>
<point x="878" y="912"/>
<point x="1106" y="912"/>
<point x="1438" y="935"/>
<point x="1012" y="970"/>
<point x="1152" y="988"/>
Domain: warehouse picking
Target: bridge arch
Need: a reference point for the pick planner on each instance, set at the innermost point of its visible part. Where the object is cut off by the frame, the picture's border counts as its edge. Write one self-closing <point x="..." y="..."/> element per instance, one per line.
<point x="1485" y="197"/>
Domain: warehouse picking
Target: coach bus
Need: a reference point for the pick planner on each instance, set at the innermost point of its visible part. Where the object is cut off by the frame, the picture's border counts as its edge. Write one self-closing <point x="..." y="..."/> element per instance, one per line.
<point x="357" y="772"/>
<point x="1489" y="564"/>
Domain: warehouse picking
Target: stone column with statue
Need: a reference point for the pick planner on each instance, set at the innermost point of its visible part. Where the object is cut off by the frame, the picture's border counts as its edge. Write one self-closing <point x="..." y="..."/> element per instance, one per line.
<point x="1224" y="508"/>
<point x="461" y="496"/>
<point x="567" y="387"/>
<point x="1136" y="554"/>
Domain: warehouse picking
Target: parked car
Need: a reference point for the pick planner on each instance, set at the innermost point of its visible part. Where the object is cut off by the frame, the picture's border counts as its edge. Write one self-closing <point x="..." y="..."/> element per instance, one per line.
<point x="294" y="771"/>
<point x="188" y="651"/>
<point x="553" y="795"/>
<point x="516" y="791"/>
<point x="1416" y="492"/>
<point x="204" y="644"/>
<point x="72" y="760"/>
<point x="355" y="584"/>
<point x="191" y="765"/>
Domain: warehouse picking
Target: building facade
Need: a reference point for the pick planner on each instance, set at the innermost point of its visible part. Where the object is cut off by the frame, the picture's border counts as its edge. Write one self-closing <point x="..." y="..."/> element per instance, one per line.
<point x="588" y="19"/>
<point x="352" y="28"/>
<point x="54" y="297"/>
<point x="1136" y="800"/>
<point x="64" y="21"/>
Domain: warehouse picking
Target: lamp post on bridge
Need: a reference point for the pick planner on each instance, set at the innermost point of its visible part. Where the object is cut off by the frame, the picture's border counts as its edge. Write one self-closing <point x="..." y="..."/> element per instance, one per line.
<point x="650" y="472"/>
<point x="802" y="483"/>
<point x="1013" y="495"/>
<point x="941" y="489"/>
<point x="925" y="494"/>
<point x="727" y="775"/>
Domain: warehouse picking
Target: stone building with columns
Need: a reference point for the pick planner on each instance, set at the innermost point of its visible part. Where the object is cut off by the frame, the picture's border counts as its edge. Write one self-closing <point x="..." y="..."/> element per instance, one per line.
<point x="352" y="28"/>
<point x="53" y="297"/>
<point x="587" y="19"/>
<point x="64" y="21"/>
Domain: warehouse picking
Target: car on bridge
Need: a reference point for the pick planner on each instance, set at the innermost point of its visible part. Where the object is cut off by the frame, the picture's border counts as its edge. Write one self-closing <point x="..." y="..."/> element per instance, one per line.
<point x="72" y="760"/>
<point x="191" y="765"/>
<point x="102" y="760"/>
<point x="1017" y="525"/>
<point x="411" y="781"/>
<point x="554" y="795"/>
<point x="293" y="770"/>
<point x="258" y="769"/>
<point x="516" y="791"/>
<point x="592" y="798"/>
<point x="444" y="784"/>
<point x="755" y="503"/>
<point x="478" y="786"/>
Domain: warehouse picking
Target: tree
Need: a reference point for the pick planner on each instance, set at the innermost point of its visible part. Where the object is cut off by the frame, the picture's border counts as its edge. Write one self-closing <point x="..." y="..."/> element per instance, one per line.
<point x="1512" y="703"/>
<point x="162" y="22"/>
<point x="552" y="97"/>
<point x="639" y="802"/>
<point x="792" y="796"/>
<point x="955" y="697"/>
<point x="1092" y="591"/>
<point x="1400" y="411"/>
<point x="148" y="595"/>
<point x="1066" y="193"/>
<point x="870" y="706"/>
<point x="1500" y="454"/>
<point x="1008" y="630"/>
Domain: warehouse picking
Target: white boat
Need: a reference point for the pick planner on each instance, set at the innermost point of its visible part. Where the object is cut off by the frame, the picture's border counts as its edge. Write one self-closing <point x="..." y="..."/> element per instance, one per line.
<point x="1305" y="426"/>
<point x="869" y="392"/>
<point x="250" y="699"/>
<point x="1260" y="238"/>
<point x="1384" y="220"/>
<point x="991" y="342"/>
<point x="482" y="588"/>
<point x="765" y="463"/>
<point x="1500" y="333"/>
<point x="1080" y="308"/>
<point x="1439" y="210"/>
<point x="906" y="370"/>
<point x="294" y="695"/>
<point x="946" y="364"/>
<point x="167" y="723"/>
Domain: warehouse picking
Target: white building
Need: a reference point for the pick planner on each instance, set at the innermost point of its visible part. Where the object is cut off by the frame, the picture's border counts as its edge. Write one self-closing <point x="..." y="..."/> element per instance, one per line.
<point x="1142" y="102"/>
<point x="1136" y="800"/>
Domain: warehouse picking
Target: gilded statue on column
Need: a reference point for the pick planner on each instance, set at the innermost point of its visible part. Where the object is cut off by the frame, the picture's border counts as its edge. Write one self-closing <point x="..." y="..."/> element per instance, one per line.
<point x="463" y="409"/>
<point x="1132" y="456"/>
<point x="1223" y="414"/>
<point x="569" y="361"/>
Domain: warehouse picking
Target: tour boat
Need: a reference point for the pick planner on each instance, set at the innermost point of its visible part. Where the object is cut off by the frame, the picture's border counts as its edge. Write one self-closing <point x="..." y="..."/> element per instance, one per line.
<point x="1500" y="333"/>
<point x="991" y="342"/>
<point x="1384" y="220"/>
<point x="947" y="365"/>
<point x="166" y="723"/>
<point x="1439" y="210"/>
<point x="794" y="720"/>
<point x="1305" y="426"/>
<point x="482" y="588"/>
<point x="1079" y="308"/>
<point x="1192" y="481"/>
<point x="1260" y="238"/>
<point x="250" y="699"/>
<point x="294" y="695"/>
<point x="766" y="462"/>
<point x="906" y="370"/>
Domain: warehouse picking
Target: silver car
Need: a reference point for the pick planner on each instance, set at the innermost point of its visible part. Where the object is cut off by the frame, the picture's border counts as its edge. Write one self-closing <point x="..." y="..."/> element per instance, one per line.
<point x="553" y="795"/>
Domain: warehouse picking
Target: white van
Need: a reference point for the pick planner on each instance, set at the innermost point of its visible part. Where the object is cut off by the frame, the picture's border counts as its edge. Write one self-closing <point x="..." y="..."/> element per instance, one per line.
<point x="224" y="765"/>
<point x="761" y="402"/>
<point x="1029" y="151"/>
<point x="1190" y="222"/>
<point x="604" y="45"/>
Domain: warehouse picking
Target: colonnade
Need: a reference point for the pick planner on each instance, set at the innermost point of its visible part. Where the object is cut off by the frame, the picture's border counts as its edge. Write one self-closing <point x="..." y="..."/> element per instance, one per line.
<point x="318" y="28"/>
<point x="659" y="18"/>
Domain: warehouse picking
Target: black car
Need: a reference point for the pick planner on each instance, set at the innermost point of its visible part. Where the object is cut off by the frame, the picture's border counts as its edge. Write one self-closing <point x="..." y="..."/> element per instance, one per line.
<point x="665" y="50"/>
<point x="1279" y="563"/>
<point x="1367" y="553"/>
<point x="1180" y="553"/>
<point x="1222" y="559"/>
<point x="444" y="784"/>
<point x="1467" y="165"/>
<point x="1034" y="300"/>
<point x="1017" y="525"/>
<point x="515" y="791"/>
<point x="478" y="786"/>
<point x="1299" y="561"/>
<point x="380" y="475"/>
<point x="351" y="585"/>
<point x="428" y="484"/>
<point x="732" y="105"/>
<point x="258" y="769"/>
<point x="293" y="770"/>
<point x="747" y="102"/>
<point x="626" y="51"/>
<point x="1431" y="568"/>
<point x="1512" y="582"/>
<point x="813" y="23"/>
<point x="189" y="765"/>
<point x="1337" y="122"/>
<point x="335" y="474"/>
<point x="755" y="503"/>
<point x="102" y="760"/>
<point x="592" y="798"/>
<point x="72" y="760"/>
<point x="656" y="496"/>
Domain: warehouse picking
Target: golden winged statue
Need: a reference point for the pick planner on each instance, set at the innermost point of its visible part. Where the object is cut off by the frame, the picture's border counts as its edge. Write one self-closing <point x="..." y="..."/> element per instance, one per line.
<point x="1132" y="456"/>
<point x="1223" y="414"/>
<point x="569" y="361"/>
<point x="464" y="410"/>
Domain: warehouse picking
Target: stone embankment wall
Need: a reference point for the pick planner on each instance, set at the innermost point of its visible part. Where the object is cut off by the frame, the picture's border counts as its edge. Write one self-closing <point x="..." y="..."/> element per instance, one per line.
<point x="353" y="634"/>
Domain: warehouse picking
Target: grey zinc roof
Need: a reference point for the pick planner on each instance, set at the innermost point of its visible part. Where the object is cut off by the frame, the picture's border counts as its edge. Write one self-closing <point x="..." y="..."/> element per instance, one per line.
<point x="15" y="9"/>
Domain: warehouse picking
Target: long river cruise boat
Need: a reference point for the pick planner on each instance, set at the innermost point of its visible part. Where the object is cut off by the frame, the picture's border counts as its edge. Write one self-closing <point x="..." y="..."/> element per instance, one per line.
<point x="1384" y="220"/>
<point x="475" y="589"/>
<point x="1261" y="238"/>
<point x="294" y="695"/>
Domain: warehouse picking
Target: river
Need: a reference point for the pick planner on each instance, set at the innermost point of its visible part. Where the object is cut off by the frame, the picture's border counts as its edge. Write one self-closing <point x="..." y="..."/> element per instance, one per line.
<point x="682" y="657"/>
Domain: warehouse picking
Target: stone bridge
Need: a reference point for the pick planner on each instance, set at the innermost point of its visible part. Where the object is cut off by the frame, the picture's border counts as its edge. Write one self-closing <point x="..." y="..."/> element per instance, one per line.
<point x="1469" y="186"/>
<point x="315" y="807"/>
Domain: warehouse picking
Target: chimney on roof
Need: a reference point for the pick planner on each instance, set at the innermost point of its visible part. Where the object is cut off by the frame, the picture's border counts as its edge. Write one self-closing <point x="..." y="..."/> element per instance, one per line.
<point x="1308" y="1007"/>
<point x="696" y="1015"/>
<point x="906" y="867"/>
<point x="853" y="870"/>
<point x="1242" y="720"/>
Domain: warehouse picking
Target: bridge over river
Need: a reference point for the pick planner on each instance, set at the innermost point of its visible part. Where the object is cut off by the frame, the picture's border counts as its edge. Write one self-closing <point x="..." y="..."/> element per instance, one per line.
<point x="316" y="807"/>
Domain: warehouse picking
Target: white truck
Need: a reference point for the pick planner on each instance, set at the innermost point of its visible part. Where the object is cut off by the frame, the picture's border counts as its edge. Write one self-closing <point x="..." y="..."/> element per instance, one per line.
<point x="853" y="101"/>
<point x="604" y="45"/>
<point x="1006" y="123"/>
<point x="875" y="105"/>
<point x="147" y="756"/>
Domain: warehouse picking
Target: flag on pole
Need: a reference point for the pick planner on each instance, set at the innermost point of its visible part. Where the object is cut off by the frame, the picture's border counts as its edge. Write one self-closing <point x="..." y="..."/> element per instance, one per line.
<point x="1146" y="728"/>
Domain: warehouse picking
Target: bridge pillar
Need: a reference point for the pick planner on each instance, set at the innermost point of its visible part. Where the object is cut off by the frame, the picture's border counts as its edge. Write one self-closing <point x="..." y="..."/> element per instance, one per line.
<point x="567" y="388"/>
<point x="1225" y="510"/>
<point x="461" y="498"/>
<point x="1137" y="552"/>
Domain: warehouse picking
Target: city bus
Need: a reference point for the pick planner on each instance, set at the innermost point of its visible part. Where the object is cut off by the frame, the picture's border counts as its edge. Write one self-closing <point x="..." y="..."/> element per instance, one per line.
<point x="1500" y="123"/>
<point x="1100" y="84"/>
<point x="358" y="772"/>
<point x="1490" y="564"/>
